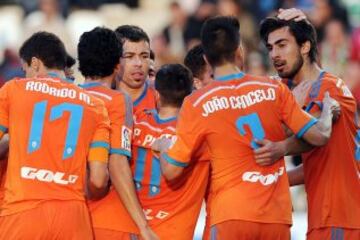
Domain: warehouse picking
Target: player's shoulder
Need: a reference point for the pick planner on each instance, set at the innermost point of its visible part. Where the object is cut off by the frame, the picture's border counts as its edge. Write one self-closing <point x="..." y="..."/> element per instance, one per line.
<point x="329" y="79"/>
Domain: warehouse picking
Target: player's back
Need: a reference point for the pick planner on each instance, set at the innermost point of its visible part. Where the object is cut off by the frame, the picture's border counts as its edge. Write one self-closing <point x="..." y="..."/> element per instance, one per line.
<point x="109" y="212"/>
<point x="230" y="113"/>
<point x="332" y="171"/>
<point x="172" y="207"/>
<point x="52" y="124"/>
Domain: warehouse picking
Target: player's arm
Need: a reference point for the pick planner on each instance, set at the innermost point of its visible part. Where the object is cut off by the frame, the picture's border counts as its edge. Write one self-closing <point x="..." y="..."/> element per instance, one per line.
<point x="170" y="169"/>
<point x="98" y="174"/>
<point x="188" y="137"/>
<point x="4" y="111"/>
<point x="119" y="168"/>
<point x="122" y="180"/>
<point x="317" y="135"/>
<point x="296" y="175"/>
<point x="4" y="145"/>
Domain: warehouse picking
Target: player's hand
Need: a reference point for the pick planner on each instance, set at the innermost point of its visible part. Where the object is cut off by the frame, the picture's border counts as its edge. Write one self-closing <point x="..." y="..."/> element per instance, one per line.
<point x="161" y="144"/>
<point x="330" y="104"/>
<point x="268" y="152"/>
<point x="148" y="234"/>
<point x="291" y="14"/>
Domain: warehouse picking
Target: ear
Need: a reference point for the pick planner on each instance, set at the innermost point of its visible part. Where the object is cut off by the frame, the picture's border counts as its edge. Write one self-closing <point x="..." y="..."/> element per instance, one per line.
<point x="239" y="57"/>
<point x="157" y="96"/>
<point x="206" y="60"/>
<point x="35" y="64"/>
<point x="305" y="48"/>
<point x="197" y="83"/>
<point x="117" y="68"/>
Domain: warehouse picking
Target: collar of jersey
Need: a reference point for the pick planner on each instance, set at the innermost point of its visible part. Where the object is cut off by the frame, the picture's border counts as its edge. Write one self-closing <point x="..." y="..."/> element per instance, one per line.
<point x="138" y="100"/>
<point x="230" y="76"/>
<point x="55" y="75"/>
<point x="161" y="120"/>
<point x="90" y="84"/>
<point x="290" y="80"/>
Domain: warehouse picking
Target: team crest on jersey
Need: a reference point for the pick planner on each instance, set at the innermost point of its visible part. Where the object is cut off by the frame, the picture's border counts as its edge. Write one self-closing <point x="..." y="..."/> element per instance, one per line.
<point x="126" y="138"/>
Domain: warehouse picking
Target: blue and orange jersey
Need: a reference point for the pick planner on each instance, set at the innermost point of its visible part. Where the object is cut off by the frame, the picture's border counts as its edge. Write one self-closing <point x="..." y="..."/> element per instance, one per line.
<point x="332" y="172"/>
<point x="172" y="208"/>
<point x="119" y="107"/>
<point x="61" y="127"/>
<point x="147" y="98"/>
<point x="227" y="116"/>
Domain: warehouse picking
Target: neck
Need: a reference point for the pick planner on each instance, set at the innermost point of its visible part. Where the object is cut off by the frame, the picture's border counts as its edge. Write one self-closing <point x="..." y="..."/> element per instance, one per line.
<point x="226" y="69"/>
<point x="134" y="93"/>
<point x="168" y="111"/>
<point x="308" y="72"/>
<point x="105" y="80"/>
<point x="57" y="72"/>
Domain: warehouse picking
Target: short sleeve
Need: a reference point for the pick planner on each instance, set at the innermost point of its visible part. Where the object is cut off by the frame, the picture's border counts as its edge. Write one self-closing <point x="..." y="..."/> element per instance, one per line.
<point x="337" y="90"/>
<point x="291" y="113"/>
<point x="189" y="135"/>
<point x="99" y="147"/>
<point x="4" y="107"/>
<point x="121" y="122"/>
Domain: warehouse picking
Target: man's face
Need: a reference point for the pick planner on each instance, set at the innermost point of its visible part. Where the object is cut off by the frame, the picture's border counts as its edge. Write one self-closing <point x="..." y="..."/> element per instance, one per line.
<point x="135" y="63"/>
<point x="284" y="52"/>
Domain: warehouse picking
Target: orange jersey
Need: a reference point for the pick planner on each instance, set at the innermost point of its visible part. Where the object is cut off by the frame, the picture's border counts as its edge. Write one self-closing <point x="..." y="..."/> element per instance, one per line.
<point x="109" y="212"/>
<point x="226" y="116"/>
<point x="172" y="208"/>
<point x="332" y="172"/>
<point x="54" y="128"/>
<point x="146" y="99"/>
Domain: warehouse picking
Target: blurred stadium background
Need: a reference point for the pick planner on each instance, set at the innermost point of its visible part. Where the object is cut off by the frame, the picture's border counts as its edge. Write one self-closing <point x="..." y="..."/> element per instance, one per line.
<point x="174" y="27"/>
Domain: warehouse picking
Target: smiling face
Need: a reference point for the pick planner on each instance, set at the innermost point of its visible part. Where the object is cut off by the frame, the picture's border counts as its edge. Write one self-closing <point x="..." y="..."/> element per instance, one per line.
<point x="284" y="52"/>
<point x="135" y="63"/>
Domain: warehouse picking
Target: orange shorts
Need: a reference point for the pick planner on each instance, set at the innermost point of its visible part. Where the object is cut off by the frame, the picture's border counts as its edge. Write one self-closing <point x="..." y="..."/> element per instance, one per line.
<point x="238" y="229"/>
<point x="105" y="234"/>
<point x="50" y="220"/>
<point x="333" y="233"/>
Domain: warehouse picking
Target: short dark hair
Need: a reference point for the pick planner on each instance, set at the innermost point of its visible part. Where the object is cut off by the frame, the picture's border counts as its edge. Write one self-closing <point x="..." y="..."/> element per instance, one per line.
<point x="173" y="82"/>
<point x="220" y="37"/>
<point x="131" y="33"/>
<point x="47" y="47"/>
<point x="302" y="31"/>
<point x="99" y="52"/>
<point x="70" y="61"/>
<point x="194" y="60"/>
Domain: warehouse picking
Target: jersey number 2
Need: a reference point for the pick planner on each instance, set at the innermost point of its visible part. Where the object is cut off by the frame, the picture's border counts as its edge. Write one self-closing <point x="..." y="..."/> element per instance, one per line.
<point x="56" y="112"/>
<point x="256" y="128"/>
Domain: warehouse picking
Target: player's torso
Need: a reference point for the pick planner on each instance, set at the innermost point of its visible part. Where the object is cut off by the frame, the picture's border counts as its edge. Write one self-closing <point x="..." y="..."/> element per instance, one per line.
<point x="234" y="112"/>
<point x="332" y="172"/>
<point x="51" y="125"/>
<point x="168" y="205"/>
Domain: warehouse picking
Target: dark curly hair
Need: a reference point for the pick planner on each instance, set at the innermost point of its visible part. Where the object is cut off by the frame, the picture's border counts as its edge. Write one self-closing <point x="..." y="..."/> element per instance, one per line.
<point x="99" y="52"/>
